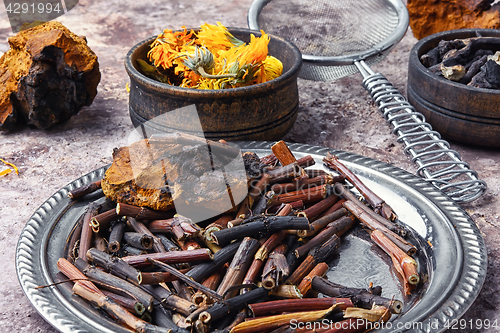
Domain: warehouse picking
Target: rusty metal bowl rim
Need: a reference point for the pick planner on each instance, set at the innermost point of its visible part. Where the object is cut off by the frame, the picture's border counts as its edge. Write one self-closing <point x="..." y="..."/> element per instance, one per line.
<point x="213" y="93"/>
<point x="416" y="52"/>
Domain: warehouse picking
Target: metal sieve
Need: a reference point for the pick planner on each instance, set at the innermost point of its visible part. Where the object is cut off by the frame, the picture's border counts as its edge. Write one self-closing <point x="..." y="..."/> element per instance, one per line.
<point x="338" y="38"/>
<point x="333" y="35"/>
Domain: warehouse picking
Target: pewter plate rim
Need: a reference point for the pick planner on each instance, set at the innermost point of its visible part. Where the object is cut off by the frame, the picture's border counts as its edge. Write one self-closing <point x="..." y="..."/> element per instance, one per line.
<point x="60" y="311"/>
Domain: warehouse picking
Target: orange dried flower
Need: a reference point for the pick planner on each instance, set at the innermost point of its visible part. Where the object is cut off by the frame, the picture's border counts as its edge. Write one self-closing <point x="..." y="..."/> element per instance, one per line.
<point x="233" y="63"/>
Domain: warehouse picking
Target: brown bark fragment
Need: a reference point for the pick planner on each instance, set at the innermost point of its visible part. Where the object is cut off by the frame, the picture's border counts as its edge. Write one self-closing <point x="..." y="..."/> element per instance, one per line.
<point x="46" y="77"/>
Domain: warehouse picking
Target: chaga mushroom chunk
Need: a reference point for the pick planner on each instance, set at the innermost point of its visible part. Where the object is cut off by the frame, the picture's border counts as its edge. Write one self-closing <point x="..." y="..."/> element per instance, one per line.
<point x="46" y="77"/>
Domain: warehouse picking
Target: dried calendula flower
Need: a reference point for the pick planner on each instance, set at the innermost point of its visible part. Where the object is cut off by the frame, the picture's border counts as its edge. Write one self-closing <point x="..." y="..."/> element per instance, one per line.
<point x="7" y="171"/>
<point x="217" y="37"/>
<point x="211" y="58"/>
<point x="168" y="45"/>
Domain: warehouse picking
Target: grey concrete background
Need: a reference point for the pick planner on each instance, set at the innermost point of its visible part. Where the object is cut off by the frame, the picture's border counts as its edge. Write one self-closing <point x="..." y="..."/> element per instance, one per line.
<point x="336" y="114"/>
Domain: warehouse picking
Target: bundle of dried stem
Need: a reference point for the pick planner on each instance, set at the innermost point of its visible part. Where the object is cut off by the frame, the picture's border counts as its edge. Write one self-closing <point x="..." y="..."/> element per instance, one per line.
<point x="374" y="224"/>
<point x="204" y="276"/>
<point x="116" y="311"/>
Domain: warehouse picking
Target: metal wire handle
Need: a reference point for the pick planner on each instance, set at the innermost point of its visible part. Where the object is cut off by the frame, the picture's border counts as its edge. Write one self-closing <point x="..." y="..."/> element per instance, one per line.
<point x="436" y="162"/>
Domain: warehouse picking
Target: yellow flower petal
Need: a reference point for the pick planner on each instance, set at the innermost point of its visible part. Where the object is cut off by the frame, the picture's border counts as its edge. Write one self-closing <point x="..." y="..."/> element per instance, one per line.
<point x="11" y="165"/>
<point x="249" y="62"/>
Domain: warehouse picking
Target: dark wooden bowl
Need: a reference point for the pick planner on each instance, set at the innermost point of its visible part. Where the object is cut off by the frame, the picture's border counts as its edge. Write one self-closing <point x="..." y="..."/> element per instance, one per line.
<point x="459" y="112"/>
<point x="265" y="111"/>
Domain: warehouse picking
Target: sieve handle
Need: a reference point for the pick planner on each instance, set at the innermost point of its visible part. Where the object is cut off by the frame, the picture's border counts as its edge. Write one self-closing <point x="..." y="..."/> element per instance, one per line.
<point x="436" y="162"/>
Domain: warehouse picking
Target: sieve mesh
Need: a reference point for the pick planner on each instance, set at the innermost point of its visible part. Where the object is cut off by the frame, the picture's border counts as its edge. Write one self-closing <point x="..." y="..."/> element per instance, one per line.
<point x="311" y="71"/>
<point x="329" y="28"/>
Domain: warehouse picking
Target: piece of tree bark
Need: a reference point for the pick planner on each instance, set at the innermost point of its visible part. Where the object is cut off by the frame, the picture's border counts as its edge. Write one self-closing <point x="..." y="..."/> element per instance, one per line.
<point x="428" y="17"/>
<point x="46" y="77"/>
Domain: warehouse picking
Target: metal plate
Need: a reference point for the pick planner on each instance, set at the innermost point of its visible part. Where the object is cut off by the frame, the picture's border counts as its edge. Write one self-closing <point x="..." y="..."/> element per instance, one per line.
<point x="455" y="263"/>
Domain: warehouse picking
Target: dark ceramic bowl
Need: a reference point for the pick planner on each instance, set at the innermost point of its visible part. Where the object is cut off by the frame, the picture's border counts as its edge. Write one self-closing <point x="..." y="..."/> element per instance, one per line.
<point x="265" y="111"/>
<point x="459" y="112"/>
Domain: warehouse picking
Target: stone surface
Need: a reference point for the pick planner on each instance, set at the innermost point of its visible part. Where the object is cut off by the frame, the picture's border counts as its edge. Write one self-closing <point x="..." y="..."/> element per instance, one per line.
<point x="336" y="114"/>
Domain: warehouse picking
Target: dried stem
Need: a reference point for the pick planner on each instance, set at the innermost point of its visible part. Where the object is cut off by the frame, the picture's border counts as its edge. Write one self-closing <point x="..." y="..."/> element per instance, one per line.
<point x="298" y="305"/>
<point x="203" y="270"/>
<point x="348" y="195"/>
<point x="319" y="270"/>
<point x="337" y="227"/>
<point x="73" y="244"/>
<point x="159" y="277"/>
<point x="373" y="224"/>
<point x="103" y="220"/>
<point x="239" y="266"/>
<point x="170" y="300"/>
<point x="312" y="173"/>
<point x="243" y="212"/>
<point x="108" y="280"/>
<point x="114" y="265"/>
<point x="212" y="282"/>
<point x="318" y="254"/>
<point x="127" y="302"/>
<point x="359" y="297"/>
<point x="287" y="291"/>
<point x="269" y="159"/>
<point x="283" y="153"/>
<point x="311" y="182"/>
<point x="141" y="228"/>
<point x="84" y="190"/>
<point x="322" y="222"/>
<point x="74" y="273"/>
<point x="167" y="243"/>
<point x="193" y="316"/>
<point x="186" y="279"/>
<point x="317" y="209"/>
<point x="264" y="202"/>
<point x="309" y="195"/>
<point x="276" y="268"/>
<point x="180" y="226"/>
<point x="262" y="254"/>
<point x="116" y="236"/>
<point x="379" y="205"/>
<point x="259" y="187"/>
<point x="139" y="240"/>
<point x="174" y="257"/>
<point x="272" y="322"/>
<point x="116" y="311"/>
<point x="334" y="208"/>
<point x="259" y="224"/>
<point x="284" y="173"/>
<point x="232" y="305"/>
<point x="306" y="161"/>
<point x="219" y="224"/>
<point x="408" y="265"/>
<point x="141" y="213"/>
<point x="86" y="233"/>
